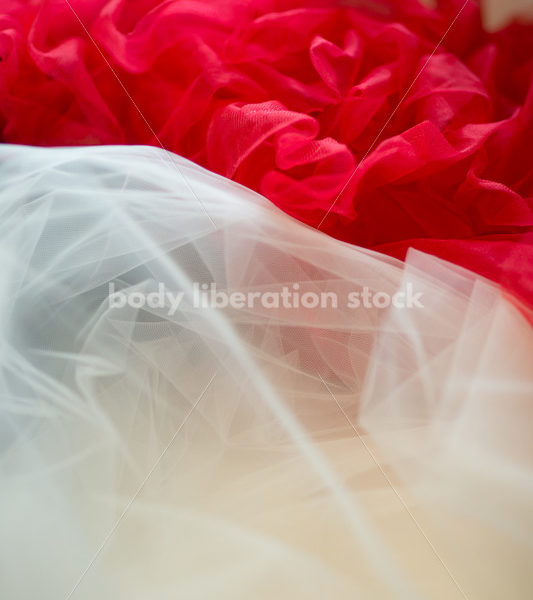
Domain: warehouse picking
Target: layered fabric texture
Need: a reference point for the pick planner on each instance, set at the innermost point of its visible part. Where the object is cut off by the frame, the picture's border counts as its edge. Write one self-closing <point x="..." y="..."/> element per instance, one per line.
<point x="387" y="124"/>
<point x="152" y="448"/>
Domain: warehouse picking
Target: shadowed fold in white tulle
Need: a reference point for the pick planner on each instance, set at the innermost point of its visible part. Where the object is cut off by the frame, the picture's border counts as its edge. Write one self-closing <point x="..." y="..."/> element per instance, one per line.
<point x="244" y="453"/>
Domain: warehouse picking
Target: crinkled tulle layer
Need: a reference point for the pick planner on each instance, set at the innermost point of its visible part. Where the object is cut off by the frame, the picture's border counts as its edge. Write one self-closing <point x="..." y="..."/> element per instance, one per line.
<point x="288" y="98"/>
<point x="245" y="452"/>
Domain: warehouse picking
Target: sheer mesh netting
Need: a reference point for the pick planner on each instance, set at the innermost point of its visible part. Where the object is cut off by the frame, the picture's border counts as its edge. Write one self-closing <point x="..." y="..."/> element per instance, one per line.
<point x="181" y="419"/>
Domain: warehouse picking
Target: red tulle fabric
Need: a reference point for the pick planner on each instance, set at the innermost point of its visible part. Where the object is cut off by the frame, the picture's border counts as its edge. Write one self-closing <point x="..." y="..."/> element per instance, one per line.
<point x="287" y="97"/>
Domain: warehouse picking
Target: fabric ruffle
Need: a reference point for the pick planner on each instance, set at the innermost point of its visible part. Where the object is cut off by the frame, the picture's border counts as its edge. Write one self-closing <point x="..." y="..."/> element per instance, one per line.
<point x="288" y="97"/>
<point x="155" y="450"/>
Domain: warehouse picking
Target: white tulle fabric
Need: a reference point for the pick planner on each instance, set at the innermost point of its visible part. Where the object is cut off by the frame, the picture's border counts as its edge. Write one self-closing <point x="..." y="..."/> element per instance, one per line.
<point x="254" y="453"/>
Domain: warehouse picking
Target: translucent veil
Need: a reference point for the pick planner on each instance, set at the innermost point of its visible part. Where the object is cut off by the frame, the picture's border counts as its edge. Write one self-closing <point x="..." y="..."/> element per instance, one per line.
<point x="265" y="450"/>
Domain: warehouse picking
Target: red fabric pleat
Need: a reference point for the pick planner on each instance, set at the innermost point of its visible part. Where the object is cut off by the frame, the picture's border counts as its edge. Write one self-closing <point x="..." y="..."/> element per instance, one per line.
<point x="287" y="97"/>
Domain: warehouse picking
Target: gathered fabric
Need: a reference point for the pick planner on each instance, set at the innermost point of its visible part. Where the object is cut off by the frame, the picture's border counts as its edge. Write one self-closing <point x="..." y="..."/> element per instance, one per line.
<point x="358" y="118"/>
<point x="155" y="446"/>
